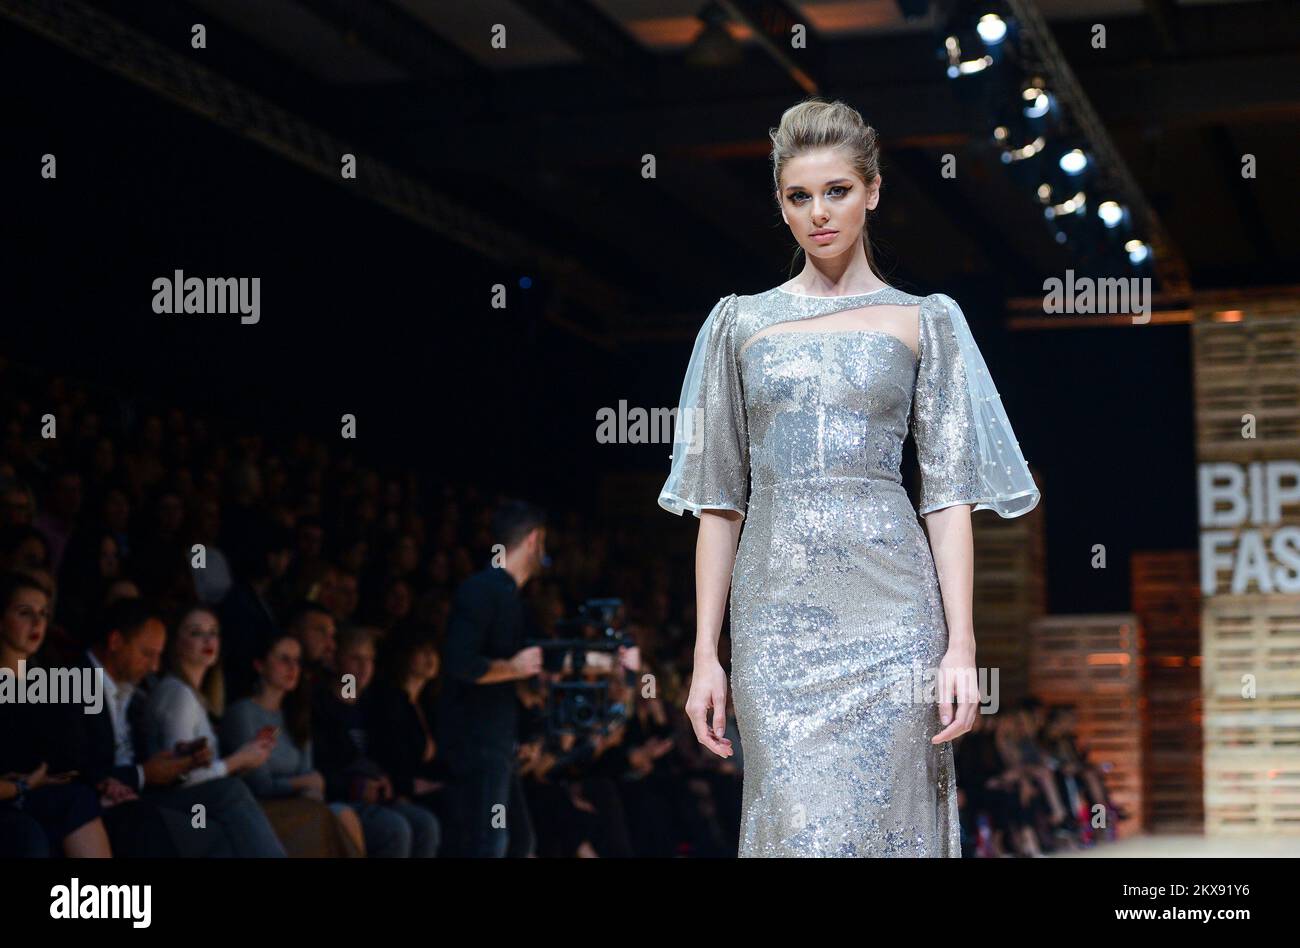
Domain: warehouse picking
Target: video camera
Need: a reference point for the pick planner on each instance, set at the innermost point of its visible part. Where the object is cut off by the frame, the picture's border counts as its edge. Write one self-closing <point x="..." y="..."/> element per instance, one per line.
<point x="589" y="641"/>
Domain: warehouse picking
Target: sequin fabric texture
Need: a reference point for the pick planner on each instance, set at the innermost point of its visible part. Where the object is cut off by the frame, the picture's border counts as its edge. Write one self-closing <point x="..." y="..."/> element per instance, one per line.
<point x="836" y="612"/>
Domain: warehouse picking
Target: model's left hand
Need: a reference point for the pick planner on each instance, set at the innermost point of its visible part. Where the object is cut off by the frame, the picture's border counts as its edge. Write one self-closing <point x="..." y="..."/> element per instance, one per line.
<point x="958" y="683"/>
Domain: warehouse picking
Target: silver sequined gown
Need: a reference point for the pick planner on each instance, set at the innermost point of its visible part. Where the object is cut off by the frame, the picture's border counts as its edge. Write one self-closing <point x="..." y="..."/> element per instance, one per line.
<point x="836" y="611"/>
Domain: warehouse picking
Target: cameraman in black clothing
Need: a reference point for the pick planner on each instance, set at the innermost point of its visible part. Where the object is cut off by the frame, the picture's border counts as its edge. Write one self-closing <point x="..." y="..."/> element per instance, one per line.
<point x="483" y="659"/>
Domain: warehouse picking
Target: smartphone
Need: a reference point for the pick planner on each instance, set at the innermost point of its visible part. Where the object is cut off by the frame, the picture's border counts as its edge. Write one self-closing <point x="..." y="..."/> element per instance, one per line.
<point x="186" y="748"/>
<point x="268" y="733"/>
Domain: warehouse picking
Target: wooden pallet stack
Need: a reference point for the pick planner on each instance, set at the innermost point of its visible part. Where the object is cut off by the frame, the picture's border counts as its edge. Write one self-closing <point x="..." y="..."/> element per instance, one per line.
<point x="1247" y="362"/>
<point x="1251" y="682"/>
<point x="1009" y="594"/>
<point x="1167" y="600"/>
<point x="1094" y="663"/>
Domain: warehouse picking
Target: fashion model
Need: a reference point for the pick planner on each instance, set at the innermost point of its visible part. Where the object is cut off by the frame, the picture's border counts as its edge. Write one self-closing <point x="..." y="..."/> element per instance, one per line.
<point x="840" y="605"/>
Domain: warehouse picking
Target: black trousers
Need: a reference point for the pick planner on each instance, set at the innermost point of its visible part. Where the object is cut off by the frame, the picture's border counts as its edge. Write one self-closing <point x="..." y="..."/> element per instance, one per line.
<point x="491" y="812"/>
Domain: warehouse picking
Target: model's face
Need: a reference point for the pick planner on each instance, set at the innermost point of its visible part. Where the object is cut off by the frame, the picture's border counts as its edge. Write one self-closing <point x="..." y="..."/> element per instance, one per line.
<point x="821" y="191"/>
<point x="198" y="640"/>
<point x="22" y="628"/>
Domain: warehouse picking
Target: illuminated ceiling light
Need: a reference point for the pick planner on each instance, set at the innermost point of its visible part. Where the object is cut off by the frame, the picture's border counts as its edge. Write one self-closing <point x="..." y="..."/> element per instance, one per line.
<point x="1027" y="151"/>
<point x="714" y="47"/>
<point x="1137" y="251"/>
<point x="991" y="28"/>
<point x="1001" y="134"/>
<point x="958" y="67"/>
<point x="1111" y="213"/>
<point x="1074" y="205"/>
<point x="1073" y="161"/>
<point x="1037" y="101"/>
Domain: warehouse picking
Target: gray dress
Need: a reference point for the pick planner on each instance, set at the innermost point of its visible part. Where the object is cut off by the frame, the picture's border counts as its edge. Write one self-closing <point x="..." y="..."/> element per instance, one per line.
<point x="837" y="621"/>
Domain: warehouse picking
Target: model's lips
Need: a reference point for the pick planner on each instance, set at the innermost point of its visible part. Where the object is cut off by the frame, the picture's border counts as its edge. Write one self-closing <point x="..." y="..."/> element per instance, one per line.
<point x="822" y="233"/>
<point x="825" y="236"/>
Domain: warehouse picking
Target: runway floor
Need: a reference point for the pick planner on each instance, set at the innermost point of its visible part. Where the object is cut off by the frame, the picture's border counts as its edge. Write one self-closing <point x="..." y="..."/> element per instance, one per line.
<point x="1175" y="847"/>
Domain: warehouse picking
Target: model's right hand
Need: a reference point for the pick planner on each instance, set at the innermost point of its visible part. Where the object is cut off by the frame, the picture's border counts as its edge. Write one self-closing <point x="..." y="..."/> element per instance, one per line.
<point x="709" y="692"/>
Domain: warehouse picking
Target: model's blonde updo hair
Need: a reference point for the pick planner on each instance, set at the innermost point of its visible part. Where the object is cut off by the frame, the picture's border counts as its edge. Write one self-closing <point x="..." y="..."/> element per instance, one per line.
<point x="815" y="124"/>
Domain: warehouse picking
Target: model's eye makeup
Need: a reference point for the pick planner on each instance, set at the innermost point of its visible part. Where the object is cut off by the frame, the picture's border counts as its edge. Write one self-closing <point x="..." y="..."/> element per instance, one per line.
<point x="797" y="197"/>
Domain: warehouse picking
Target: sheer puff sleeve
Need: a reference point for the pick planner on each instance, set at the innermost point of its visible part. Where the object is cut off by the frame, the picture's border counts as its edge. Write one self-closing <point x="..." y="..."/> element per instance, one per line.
<point x="965" y="447"/>
<point x="710" y="459"/>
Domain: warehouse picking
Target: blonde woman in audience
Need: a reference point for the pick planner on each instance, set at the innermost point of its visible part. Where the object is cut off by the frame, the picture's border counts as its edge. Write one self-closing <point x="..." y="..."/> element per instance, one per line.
<point x="191" y="693"/>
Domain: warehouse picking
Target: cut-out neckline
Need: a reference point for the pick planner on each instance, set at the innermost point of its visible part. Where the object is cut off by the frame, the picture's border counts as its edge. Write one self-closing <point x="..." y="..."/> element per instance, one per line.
<point x="749" y="344"/>
<point x="846" y="296"/>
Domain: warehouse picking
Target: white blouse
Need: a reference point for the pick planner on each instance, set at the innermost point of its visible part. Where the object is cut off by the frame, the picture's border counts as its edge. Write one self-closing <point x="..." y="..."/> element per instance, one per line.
<point x="174" y="715"/>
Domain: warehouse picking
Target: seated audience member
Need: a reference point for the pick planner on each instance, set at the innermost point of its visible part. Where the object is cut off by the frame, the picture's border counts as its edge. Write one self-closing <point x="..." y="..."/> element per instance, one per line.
<point x="247" y="613"/>
<point x="400" y="721"/>
<point x="122" y="588"/>
<point x="91" y="562"/>
<point x="214" y="580"/>
<point x="292" y="791"/>
<point x="988" y="800"/>
<point x="110" y="754"/>
<point x="41" y="813"/>
<point x="393" y="827"/>
<point x="336" y="591"/>
<point x="313" y="626"/>
<point x="185" y="700"/>
<point x="1080" y="780"/>
<point x="23" y="548"/>
<point x="21" y="837"/>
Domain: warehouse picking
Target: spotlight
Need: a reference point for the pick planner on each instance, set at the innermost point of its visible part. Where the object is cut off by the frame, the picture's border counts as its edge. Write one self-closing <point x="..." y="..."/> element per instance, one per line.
<point x="1138" y="252"/>
<point x="957" y="66"/>
<point x="1077" y="203"/>
<point x="714" y="47"/>
<point x="1112" y="213"/>
<point x="1002" y="134"/>
<point x="1037" y="100"/>
<point x="991" y="28"/>
<point x="1074" y="161"/>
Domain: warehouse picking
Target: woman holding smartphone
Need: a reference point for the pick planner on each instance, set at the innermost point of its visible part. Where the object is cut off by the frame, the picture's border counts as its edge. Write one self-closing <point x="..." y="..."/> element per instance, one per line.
<point x="291" y="789"/>
<point x="190" y="694"/>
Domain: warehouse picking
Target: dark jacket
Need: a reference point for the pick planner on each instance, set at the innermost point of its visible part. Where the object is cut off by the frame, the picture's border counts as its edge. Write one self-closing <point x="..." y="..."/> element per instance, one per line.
<point x="486" y="622"/>
<point x="341" y="744"/>
<point x="92" y="742"/>
<point x="397" y="736"/>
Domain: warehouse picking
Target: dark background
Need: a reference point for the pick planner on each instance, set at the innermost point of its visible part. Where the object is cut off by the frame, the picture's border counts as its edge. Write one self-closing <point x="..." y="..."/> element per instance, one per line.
<point x="365" y="311"/>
